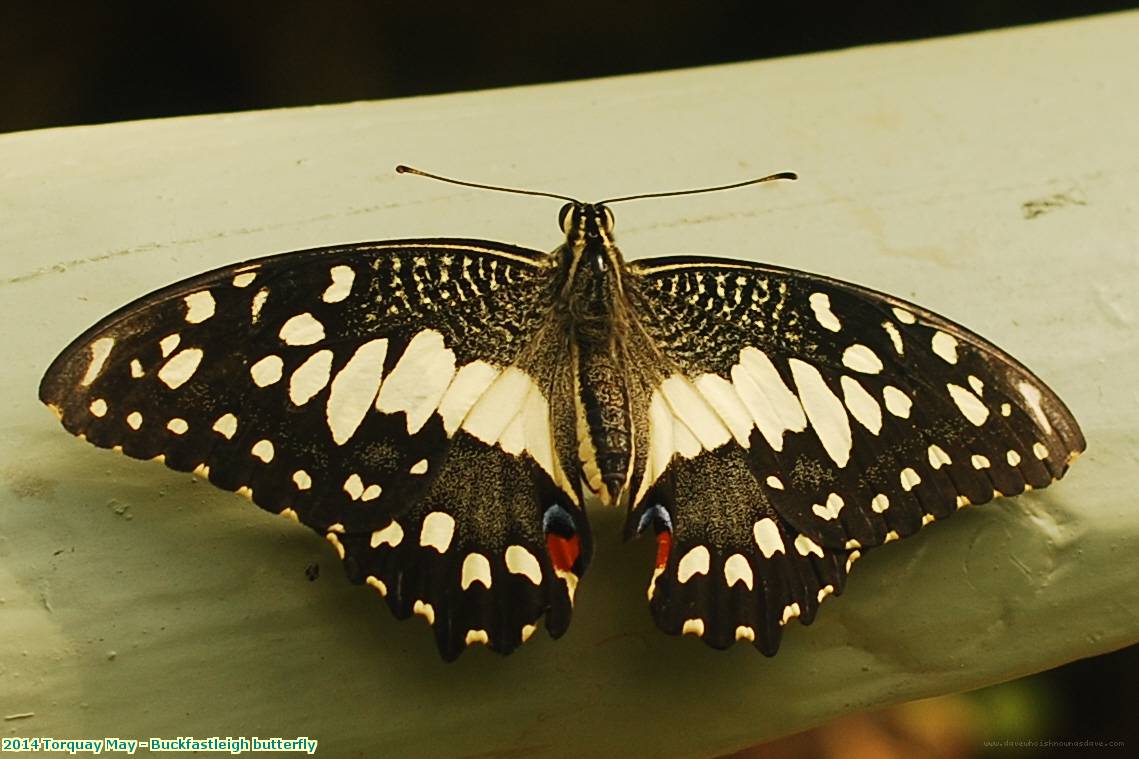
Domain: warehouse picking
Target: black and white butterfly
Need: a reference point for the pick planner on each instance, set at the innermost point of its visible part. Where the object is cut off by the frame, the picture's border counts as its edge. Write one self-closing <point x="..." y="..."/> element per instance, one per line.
<point x="442" y="410"/>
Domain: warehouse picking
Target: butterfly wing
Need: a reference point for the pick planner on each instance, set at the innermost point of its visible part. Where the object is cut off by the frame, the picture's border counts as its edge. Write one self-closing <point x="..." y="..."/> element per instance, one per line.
<point x="395" y="397"/>
<point x="802" y="420"/>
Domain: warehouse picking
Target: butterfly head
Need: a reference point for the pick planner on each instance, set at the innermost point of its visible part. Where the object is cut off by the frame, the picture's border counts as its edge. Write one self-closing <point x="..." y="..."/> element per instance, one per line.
<point x="589" y="235"/>
<point x="586" y="221"/>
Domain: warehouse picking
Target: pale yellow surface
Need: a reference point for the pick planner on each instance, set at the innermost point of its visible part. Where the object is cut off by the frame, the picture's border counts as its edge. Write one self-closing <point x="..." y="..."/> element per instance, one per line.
<point x="136" y="602"/>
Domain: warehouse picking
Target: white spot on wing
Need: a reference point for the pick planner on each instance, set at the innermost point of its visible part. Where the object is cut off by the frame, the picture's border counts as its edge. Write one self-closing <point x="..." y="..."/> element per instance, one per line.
<point x="332" y="538"/>
<point x="1032" y="397"/>
<point x="862" y="405"/>
<point x="178" y="426"/>
<point x="661" y="443"/>
<point x="258" y="303"/>
<point x="136" y="368"/>
<point x="745" y="632"/>
<point x="169" y="343"/>
<point x="895" y="337"/>
<point x="1040" y="451"/>
<point x="880" y="503"/>
<point x="767" y="537"/>
<point x="134" y="420"/>
<point x="945" y="345"/>
<point x="969" y="404"/>
<point x="342" y="278"/>
<point x="263" y="449"/>
<point x="199" y="307"/>
<point x="897" y="402"/>
<point x="476" y="568"/>
<point x="693" y="410"/>
<point x="909" y="479"/>
<point x="774" y="482"/>
<point x="772" y="405"/>
<point x="821" y="305"/>
<point x="310" y="377"/>
<point x="938" y="457"/>
<point x="831" y="509"/>
<point x="420" y="378"/>
<point x="438" y="529"/>
<point x="737" y="569"/>
<point x="354" y="388"/>
<point x="226" y="426"/>
<point x="245" y="279"/>
<point x="1012" y="457"/>
<point x="904" y="316"/>
<point x="980" y="462"/>
<point x="805" y="546"/>
<point x="302" y="329"/>
<point x="721" y="395"/>
<point x="391" y="535"/>
<point x="977" y="385"/>
<point x="425" y="610"/>
<point x="695" y="562"/>
<point x="419" y="467"/>
<point x="824" y="410"/>
<point x="302" y="479"/>
<point x="354" y="486"/>
<point x="100" y="350"/>
<point x="520" y="561"/>
<point x="371" y="493"/>
<point x="267" y="371"/>
<point x="470" y="382"/>
<point x="98" y="407"/>
<point x="476" y="636"/>
<point x="694" y="626"/>
<point x="178" y="370"/>
<point x="861" y="359"/>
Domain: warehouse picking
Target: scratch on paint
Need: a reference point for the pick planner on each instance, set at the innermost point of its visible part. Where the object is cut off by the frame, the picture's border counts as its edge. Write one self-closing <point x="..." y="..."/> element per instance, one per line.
<point x="1041" y="206"/>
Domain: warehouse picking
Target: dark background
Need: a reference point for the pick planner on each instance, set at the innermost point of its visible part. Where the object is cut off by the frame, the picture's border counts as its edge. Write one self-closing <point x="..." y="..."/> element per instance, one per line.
<point x="89" y="62"/>
<point x="110" y="61"/>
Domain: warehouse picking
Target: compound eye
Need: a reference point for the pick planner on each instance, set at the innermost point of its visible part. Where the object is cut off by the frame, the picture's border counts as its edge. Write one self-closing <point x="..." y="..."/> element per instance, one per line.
<point x="608" y="218"/>
<point x="565" y="218"/>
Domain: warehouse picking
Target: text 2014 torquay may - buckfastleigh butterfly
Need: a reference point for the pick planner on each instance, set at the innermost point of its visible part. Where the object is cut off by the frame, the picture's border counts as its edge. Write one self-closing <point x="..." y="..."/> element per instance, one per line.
<point x="441" y="410"/>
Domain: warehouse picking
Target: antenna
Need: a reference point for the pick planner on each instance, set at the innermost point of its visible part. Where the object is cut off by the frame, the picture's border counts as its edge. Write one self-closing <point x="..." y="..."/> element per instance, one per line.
<point x="769" y="178"/>
<point x="401" y="169"/>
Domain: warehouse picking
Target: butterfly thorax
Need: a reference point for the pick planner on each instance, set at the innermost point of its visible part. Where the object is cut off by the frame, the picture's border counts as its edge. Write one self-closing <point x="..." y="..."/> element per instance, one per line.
<point x="593" y="303"/>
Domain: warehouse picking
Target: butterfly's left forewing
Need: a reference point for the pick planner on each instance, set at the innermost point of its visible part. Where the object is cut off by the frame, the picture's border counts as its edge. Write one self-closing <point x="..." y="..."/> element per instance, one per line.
<point x="399" y="398"/>
<point x="799" y="420"/>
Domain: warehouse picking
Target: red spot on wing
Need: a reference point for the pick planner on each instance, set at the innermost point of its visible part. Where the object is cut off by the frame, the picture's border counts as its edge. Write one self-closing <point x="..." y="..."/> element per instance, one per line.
<point x="664" y="545"/>
<point x="563" y="551"/>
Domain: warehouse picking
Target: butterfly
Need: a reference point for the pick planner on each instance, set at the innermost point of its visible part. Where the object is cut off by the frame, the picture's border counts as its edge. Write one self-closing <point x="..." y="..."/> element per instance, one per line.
<point x="443" y="410"/>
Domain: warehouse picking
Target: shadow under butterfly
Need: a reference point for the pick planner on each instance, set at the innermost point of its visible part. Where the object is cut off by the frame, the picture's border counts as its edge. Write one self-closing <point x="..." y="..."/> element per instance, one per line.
<point x="442" y="410"/>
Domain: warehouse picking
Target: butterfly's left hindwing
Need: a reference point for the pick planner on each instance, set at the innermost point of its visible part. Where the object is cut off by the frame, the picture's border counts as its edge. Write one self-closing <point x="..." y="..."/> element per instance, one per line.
<point x="797" y="420"/>
<point x="369" y="391"/>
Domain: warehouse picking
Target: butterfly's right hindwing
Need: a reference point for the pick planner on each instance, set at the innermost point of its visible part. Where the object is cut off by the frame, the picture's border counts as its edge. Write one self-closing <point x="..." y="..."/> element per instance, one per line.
<point x="332" y="385"/>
